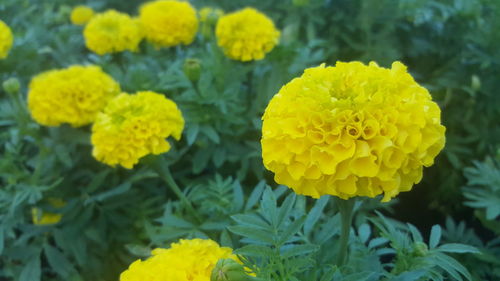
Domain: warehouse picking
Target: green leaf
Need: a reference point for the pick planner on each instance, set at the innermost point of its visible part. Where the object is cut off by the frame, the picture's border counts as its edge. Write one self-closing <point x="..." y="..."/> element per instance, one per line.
<point x="259" y="235"/>
<point x="59" y="263"/>
<point x="435" y="236"/>
<point x="238" y="196"/>
<point x="291" y="230"/>
<point x="315" y="213"/>
<point x="255" y="195"/>
<point x="211" y="134"/>
<point x="31" y="270"/>
<point x="458" y="248"/>
<point x="364" y="232"/>
<point x="191" y="133"/>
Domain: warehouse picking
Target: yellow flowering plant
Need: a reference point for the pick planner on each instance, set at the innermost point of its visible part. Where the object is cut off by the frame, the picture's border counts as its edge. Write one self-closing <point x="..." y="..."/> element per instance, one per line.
<point x="112" y="32"/>
<point x="168" y="23"/>
<point x="73" y="95"/>
<point x="6" y="39"/>
<point x="80" y="15"/>
<point x="351" y="130"/>
<point x="246" y="35"/>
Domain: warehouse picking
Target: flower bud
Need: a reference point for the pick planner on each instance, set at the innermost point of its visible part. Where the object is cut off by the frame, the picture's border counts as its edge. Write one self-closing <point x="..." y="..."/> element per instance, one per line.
<point x="192" y="69"/>
<point x="11" y="86"/>
<point x="475" y="82"/>
<point x="420" y="249"/>
<point x="229" y="270"/>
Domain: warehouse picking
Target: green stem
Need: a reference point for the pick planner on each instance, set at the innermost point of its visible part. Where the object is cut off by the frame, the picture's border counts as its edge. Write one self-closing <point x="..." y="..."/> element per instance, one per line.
<point x="346" y="208"/>
<point x="163" y="171"/>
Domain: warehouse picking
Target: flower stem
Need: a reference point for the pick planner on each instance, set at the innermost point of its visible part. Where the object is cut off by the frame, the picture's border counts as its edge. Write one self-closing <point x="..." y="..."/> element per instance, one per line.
<point x="346" y="208"/>
<point x="164" y="173"/>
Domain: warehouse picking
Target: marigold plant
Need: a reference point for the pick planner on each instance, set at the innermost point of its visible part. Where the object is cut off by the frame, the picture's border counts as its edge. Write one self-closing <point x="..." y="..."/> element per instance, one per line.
<point x="351" y="130"/>
<point x="112" y="32"/>
<point x="41" y="217"/>
<point x="184" y="261"/>
<point x="168" y="23"/>
<point x="133" y="126"/>
<point x="73" y="95"/>
<point x="6" y="39"/>
<point x="246" y="35"/>
<point x="81" y="14"/>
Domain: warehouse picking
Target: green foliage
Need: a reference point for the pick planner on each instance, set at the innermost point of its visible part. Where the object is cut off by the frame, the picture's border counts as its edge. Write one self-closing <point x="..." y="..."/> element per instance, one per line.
<point x="483" y="191"/>
<point x="112" y="216"/>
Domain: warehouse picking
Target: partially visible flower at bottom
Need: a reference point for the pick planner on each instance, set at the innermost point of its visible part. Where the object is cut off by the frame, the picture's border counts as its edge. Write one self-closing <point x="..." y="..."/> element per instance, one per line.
<point x="40" y="217"/>
<point x="133" y="126"/>
<point x="184" y="261"/>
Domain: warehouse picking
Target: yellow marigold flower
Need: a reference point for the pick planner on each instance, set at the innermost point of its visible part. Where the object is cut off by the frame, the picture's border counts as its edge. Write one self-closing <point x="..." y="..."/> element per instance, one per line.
<point x="73" y="95"/>
<point x="246" y="35"/>
<point x="133" y="126"/>
<point x="169" y="23"/>
<point x="112" y="32"/>
<point x="81" y="14"/>
<point x="351" y="130"/>
<point x="6" y="39"/>
<point x="184" y="261"/>
<point x="39" y="217"/>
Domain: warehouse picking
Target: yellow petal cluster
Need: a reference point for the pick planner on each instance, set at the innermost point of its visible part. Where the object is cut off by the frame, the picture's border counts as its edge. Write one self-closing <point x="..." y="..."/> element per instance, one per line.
<point x="351" y="130"/>
<point x="6" y="39"/>
<point x="246" y="35"/>
<point x="133" y="126"/>
<point x="73" y="95"/>
<point x="81" y="14"/>
<point x="168" y="23"/>
<point x="187" y="260"/>
<point x="112" y="32"/>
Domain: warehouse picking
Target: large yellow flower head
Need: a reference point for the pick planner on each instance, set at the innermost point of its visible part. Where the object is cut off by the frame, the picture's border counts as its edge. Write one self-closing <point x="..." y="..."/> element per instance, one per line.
<point x="168" y="23"/>
<point x="133" y="126"/>
<point x="73" y="95"/>
<point x="81" y="14"/>
<point x="112" y="32"/>
<point x="187" y="260"/>
<point x="6" y="39"/>
<point x="351" y="130"/>
<point x="246" y="35"/>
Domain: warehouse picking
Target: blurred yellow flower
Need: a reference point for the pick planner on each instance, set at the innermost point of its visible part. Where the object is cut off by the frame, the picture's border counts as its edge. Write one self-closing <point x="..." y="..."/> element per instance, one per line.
<point x="351" y="130"/>
<point x="112" y="32"/>
<point x="133" y="126"/>
<point x="168" y="23"/>
<point x="73" y="95"/>
<point x="39" y="217"/>
<point x="187" y="260"/>
<point x="81" y="14"/>
<point x="246" y="35"/>
<point x="6" y="39"/>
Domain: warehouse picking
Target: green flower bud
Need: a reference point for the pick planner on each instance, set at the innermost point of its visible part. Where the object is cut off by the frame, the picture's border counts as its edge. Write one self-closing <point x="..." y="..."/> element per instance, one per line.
<point x="475" y="82"/>
<point x="11" y="86"/>
<point x="420" y="249"/>
<point x="300" y="3"/>
<point x="192" y="69"/>
<point x="230" y="270"/>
